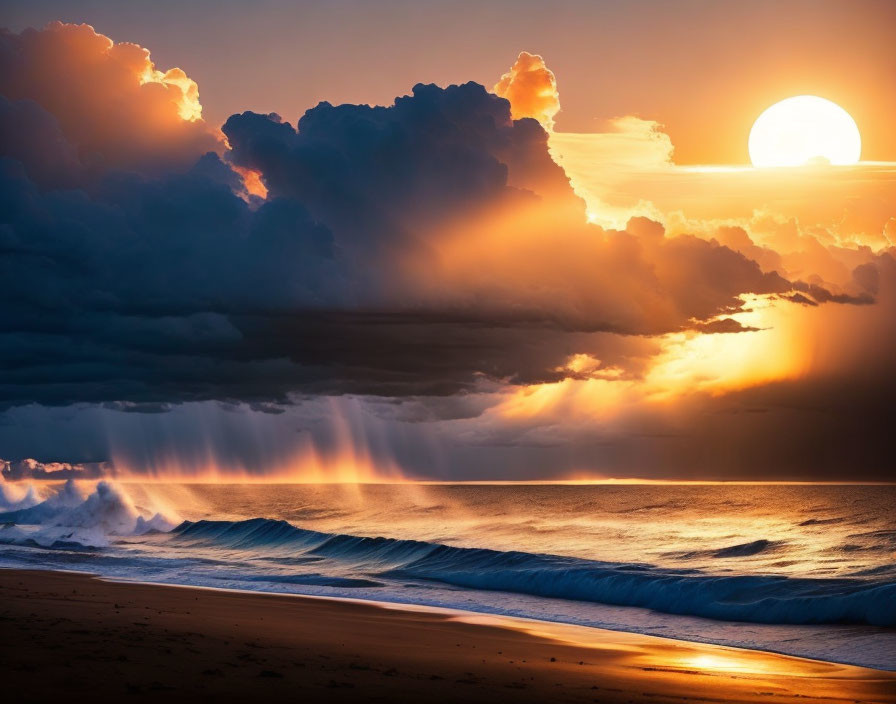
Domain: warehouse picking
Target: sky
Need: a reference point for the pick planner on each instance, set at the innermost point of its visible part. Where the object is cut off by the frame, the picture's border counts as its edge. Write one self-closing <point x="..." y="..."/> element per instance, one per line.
<point x="704" y="69"/>
<point x="516" y="241"/>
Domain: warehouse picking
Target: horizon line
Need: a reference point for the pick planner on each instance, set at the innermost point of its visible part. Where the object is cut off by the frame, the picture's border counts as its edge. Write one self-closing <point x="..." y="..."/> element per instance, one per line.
<point x="610" y="481"/>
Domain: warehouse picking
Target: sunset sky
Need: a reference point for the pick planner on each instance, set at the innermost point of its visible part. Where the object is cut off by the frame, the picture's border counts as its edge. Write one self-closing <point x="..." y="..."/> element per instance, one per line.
<point x="551" y="260"/>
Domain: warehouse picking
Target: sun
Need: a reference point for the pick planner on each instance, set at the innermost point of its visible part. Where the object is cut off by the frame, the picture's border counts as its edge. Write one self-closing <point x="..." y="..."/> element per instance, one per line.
<point x="804" y="130"/>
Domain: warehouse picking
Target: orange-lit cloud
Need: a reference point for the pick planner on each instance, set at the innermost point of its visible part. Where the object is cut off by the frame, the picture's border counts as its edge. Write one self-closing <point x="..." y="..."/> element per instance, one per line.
<point x="252" y="181"/>
<point x="814" y="225"/>
<point x="630" y="171"/>
<point x="531" y="89"/>
<point x="188" y="105"/>
<point x="111" y="101"/>
<point x="605" y="168"/>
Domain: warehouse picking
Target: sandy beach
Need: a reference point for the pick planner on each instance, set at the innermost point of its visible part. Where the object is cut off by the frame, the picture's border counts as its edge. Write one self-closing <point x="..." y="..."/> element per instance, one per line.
<point x="72" y="635"/>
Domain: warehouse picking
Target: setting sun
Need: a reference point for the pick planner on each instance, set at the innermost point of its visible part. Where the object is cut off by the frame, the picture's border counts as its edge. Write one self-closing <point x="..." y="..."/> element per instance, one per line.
<point x="804" y="130"/>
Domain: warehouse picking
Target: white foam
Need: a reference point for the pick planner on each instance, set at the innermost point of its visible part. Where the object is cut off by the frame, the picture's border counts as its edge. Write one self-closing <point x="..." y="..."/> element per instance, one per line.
<point x="69" y="517"/>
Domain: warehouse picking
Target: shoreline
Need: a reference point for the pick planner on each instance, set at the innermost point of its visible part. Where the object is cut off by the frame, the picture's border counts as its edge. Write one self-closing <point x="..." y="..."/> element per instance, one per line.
<point x="573" y="633"/>
<point x="137" y="639"/>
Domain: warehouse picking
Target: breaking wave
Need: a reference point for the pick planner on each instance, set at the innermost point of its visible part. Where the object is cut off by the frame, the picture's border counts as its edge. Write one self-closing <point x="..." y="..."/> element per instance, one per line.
<point x="748" y="598"/>
<point x="69" y="518"/>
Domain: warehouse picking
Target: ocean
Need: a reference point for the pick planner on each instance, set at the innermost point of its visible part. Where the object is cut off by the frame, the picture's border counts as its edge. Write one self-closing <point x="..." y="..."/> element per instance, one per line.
<point x="807" y="570"/>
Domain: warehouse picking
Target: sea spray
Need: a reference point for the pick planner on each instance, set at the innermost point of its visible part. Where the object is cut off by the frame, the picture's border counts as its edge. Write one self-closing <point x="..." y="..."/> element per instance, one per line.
<point x="67" y="517"/>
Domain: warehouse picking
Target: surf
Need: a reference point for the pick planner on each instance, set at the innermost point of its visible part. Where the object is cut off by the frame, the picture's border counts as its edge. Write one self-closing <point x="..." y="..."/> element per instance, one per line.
<point x="746" y="598"/>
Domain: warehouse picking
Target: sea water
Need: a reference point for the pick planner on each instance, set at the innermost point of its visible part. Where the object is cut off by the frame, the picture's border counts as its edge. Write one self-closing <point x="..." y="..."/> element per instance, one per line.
<point x="806" y="570"/>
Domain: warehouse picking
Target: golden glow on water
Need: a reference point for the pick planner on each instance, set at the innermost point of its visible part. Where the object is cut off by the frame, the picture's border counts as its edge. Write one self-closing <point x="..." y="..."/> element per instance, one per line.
<point x="574" y="478"/>
<point x="783" y="528"/>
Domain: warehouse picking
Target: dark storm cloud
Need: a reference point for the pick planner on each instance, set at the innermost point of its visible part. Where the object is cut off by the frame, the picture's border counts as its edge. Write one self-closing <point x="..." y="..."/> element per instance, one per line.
<point x="32" y="136"/>
<point x="405" y="166"/>
<point x="138" y="271"/>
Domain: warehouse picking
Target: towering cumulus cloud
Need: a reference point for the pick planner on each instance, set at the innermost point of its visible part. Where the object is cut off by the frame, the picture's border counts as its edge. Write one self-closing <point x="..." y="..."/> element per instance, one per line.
<point x="422" y="250"/>
<point x="111" y="103"/>
<point x="531" y="88"/>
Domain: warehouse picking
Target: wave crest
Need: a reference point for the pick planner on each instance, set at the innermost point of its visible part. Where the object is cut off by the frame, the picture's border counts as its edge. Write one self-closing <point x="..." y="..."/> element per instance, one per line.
<point x="752" y="598"/>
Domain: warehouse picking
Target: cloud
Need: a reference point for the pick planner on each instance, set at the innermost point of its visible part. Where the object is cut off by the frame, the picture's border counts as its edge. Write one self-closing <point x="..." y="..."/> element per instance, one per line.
<point x="605" y="168"/>
<point x="531" y="89"/>
<point x="429" y="255"/>
<point x="25" y="469"/>
<point x="408" y="250"/>
<point x="33" y="137"/>
<point x="112" y="104"/>
<point x="724" y="325"/>
<point x="430" y="155"/>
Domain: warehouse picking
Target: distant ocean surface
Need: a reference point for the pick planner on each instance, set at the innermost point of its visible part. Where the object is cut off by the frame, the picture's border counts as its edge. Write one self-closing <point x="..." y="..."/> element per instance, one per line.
<point x="798" y="569"/>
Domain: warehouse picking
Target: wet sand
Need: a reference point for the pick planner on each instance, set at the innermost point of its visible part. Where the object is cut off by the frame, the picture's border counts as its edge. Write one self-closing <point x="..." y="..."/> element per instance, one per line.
<point x="65" y="636"/>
